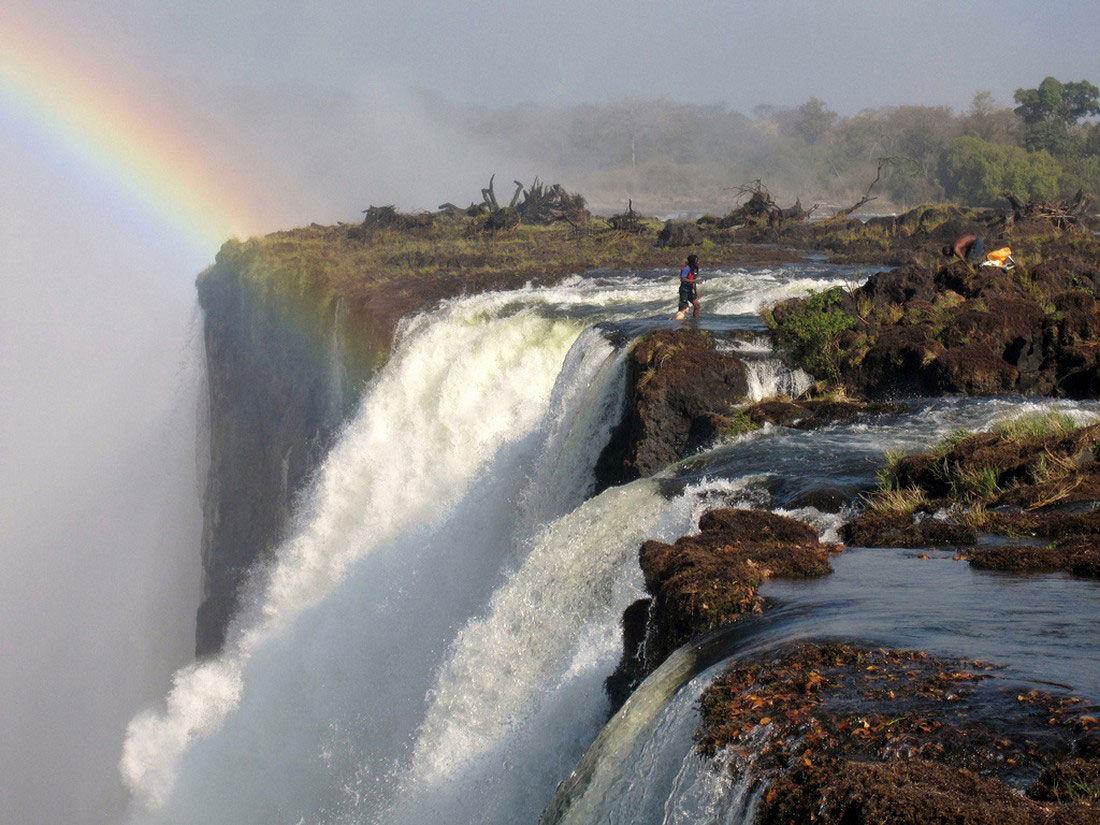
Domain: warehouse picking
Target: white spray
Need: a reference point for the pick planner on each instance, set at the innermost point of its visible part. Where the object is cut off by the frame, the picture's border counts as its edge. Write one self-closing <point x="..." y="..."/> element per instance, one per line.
<point x="459" y="390"/>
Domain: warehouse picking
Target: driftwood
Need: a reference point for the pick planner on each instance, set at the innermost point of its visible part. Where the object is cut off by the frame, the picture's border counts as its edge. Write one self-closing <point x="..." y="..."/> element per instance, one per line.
<point x="547" y="204"/>
<point x="1063" y="215"/>
<point x="883" y="163"/>
<point x="537" y="204"/>
<point x="387" y="217"/>
<point x="490" y="197"/>
<point x="760" y="205"/>
<point x="628" y="221"/>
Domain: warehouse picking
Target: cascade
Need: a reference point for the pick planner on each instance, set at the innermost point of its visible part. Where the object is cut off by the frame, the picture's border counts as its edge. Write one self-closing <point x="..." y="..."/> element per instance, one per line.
<point x="447" y="596"/>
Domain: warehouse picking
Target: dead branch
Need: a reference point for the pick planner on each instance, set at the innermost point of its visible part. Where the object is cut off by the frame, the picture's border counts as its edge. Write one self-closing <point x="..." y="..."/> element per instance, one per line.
<point x="628" y="221"/>
<point x="1062" y="215"/>
<point x="515" y="197"/>
<point x="490" y="197"/>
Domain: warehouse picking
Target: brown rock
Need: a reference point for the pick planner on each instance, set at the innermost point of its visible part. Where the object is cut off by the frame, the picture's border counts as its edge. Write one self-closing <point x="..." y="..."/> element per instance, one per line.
<point x="676" y="381"/>
<point x="707" y="580"/>
<point x="873" y="529"/>
<point x="911" y="791"/>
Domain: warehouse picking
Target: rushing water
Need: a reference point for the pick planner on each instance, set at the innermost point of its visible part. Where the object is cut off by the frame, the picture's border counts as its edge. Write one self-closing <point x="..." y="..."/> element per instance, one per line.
<point x="430" y="645"/>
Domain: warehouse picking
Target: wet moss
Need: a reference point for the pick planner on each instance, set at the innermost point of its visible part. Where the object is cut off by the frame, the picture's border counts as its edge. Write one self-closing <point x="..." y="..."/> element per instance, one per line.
<point x="1072" y="781"/>
<point x="899" y="529"/>
<point x="710" y="579"/>
<point x="844" y="733"/>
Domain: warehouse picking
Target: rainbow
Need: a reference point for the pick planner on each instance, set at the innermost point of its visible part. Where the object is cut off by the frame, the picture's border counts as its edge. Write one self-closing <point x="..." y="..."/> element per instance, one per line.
<point x="87" y="116"/>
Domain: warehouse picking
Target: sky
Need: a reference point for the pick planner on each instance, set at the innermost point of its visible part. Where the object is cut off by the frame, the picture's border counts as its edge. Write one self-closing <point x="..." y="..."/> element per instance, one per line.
<point x="314" y="98"/>
<point x="851" y="53"/>
<point x="242" y="117"/>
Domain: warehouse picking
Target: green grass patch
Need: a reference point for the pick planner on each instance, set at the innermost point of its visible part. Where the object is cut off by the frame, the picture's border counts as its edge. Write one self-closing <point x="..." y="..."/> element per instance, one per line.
<point x="906" y="500"/>
<point x="1036" y="425"/>
<point x="969" y="483"/>
<point x="887" y="475"/>
<point x="735" y="425"/>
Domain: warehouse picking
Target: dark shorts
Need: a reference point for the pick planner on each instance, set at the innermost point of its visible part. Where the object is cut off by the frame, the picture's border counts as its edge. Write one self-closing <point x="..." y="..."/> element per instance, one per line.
<point x="976" y="253"/>
<point x="687" y="298"/>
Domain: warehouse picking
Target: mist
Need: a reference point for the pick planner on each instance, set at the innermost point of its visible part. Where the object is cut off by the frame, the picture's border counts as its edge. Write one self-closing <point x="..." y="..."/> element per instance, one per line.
<point x="100" y="513"/>
<point x="101" y="422"/>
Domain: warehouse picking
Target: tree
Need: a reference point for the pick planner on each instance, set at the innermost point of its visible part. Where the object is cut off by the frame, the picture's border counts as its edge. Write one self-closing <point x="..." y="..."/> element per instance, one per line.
<point x="1054" y="100"/>
<point x="977" y="172"/>
<point x="989" y="121"/>
<point x="1080" y="100"/>
<point x="1052" y="135"/>
<point x="814" y="121"/>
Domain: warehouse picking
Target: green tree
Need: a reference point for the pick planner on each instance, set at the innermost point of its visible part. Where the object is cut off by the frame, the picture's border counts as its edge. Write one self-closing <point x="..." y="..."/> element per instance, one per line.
<point x="977" y="172"/>
<point x="1054" y="100"/>
<point x="1052" y="135"/>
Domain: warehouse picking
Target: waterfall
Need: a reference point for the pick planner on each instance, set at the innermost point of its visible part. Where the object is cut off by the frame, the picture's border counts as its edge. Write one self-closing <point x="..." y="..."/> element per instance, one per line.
<point x="430" y="643"/>
<point x="769" y="377"/>
<point x="482" y="427"/>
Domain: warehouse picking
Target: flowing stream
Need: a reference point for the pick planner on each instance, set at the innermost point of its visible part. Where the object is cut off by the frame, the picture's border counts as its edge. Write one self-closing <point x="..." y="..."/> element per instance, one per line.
<point x="430" y="644"/>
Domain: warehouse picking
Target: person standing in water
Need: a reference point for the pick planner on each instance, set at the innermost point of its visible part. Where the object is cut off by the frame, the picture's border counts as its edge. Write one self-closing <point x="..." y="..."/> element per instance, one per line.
<point x="689" y="278"/>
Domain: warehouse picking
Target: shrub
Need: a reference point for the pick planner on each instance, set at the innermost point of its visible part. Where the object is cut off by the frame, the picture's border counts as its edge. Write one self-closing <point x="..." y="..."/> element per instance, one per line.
<point x="812" y="330"/>
<point x="978" y="172"/>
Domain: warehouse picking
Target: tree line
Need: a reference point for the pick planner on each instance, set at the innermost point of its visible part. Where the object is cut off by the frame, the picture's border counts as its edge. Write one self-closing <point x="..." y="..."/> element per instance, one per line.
<point x="693" y="156"/>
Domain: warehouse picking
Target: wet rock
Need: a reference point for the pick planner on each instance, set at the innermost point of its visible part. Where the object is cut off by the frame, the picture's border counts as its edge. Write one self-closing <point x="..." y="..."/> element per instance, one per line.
<point x="843" y="733"/>
<point x="913" y="791"/>
<point x="808" y="414"/>
<point x="702" y="582"/>
<point x="1048" y="524"/>
<point x="1071" y="781"/>
<point x="709" y="579"/>
<point x="676" y="381"/>
<point x="824" y="499"/>
<point x="952" y="328"/>
<point x="1019" y="558"/>
<point x="274" y="411"/>
<point x="1014" y="463"/>
<point x="632" y="668"/>
<point x="737" y="525"/>
<point x="897" y="286"/>
<point x="897" y="529"/>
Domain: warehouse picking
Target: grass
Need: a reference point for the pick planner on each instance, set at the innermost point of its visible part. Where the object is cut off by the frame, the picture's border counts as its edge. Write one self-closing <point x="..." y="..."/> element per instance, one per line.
<point x="1076" y="790"/>
<point x="1036" y="425"/>
<point x="968" y="483"/>
<point x="975" y="516"/>
<point x="905" y="500"/>
<point x="887" y="475"/>
<point x="735" y="425"/>
<point x="946" y="444"/>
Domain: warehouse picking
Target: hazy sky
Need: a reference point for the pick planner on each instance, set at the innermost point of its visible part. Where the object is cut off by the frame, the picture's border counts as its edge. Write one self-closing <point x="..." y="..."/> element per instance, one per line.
<point x="312" y="103"/>
<point x="851" y="53"/>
